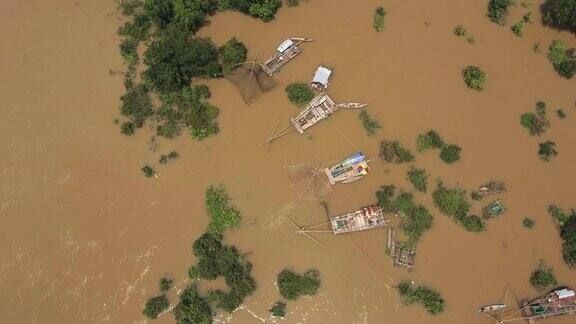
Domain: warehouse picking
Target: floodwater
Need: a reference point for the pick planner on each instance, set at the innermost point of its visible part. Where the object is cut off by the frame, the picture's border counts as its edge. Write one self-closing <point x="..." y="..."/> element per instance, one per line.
<point x="84" y="236"/>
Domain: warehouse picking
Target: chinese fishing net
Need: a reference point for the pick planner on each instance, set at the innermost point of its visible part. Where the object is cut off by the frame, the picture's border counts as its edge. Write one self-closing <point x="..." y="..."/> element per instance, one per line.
<point x="307" y="181"/>
<point x="251" y="80"/>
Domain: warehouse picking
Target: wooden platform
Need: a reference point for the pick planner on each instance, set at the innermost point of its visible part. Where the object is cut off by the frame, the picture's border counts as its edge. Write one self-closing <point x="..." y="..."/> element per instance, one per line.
<point x="320" y="107"/>
<point x="363" y="219"/>
<point x="277" y="61"/>
<point x="547" y="306"/>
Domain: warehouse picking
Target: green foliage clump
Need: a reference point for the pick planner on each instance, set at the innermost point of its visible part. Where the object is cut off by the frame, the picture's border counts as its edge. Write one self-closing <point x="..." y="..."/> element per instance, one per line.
<point x="137" y="106"/>
<point x="392" y="152"/>
<point x="148" y="171"/>
<point x="460" y="30"/>
<point x="563" y="64"/>
<point x="370" y="125"/>
<point x="560" y="113"/>
<point x="174" y="59"/>
<point x="536" y="123"/>
<point x="568" y="234"/>
<point x="418" y="178"/>
<point x="452" y="202"/>
<point x="292" y="3"/>
<point x="265" y="10"/>
<point x="299" y="93"/>
<point x="193" y="308"/>
<point x="164" y="158"/>
<point x="528" y="223"/>
<point x="378" y="19"/>
<point x="293" y="285"/>
<point x="498" y="10"/>
<point x="474" y="77"/>
<point x="427" y="297"/>
<point x="527" y="18"/>
<point x="278" y="309"/>
<point x="216" y="259"/>
<point x="222" y="215"/>
<point x="165" y="284"/>
<point x="429" y="140"/>
<point x="128" y="47"/>
<point x="155" y="306"/>
<point x="518" y="28"/>
<point x="559" y="14"/>
<point x="416" y="219"/>
<point x="547" y="150"/>
<point x="232" y="54"/>
<point x="450" y="153"/>
<point x="543" y="277"/>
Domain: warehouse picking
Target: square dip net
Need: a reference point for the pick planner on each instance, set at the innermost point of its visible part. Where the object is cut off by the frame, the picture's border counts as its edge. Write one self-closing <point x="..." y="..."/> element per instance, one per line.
<point x="250" y="80"/>
<point x="308" y="181"/>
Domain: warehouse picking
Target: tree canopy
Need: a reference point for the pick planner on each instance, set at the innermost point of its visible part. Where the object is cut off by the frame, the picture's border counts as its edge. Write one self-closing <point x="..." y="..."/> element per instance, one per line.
<point x="559" y="14"/>
<point x="293" y="285"/>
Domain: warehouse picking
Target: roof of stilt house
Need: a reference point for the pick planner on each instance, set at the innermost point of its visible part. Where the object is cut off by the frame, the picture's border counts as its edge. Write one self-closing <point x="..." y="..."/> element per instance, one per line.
<point x="285" y="45"/>
<point x="321" y="76"/>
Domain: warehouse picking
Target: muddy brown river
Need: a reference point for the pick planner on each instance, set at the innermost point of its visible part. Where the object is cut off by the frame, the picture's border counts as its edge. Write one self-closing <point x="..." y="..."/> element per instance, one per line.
<point x="84" y="236"/>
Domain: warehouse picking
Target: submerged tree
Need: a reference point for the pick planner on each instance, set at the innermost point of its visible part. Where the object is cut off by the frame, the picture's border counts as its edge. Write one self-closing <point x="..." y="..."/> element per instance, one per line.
<point x="547" y="150"/>
<point x="498" y="10"/>
<point x="155" y="306"/>
<point x="378" y="19"/>
<point x="232" y="54"/>
<point x="559" y="14"/>
<point x="293" y="285"/>
<point x="543" y="277"/>
<point x="278" y="309"/>
<point x="474" y="77"/>
<point x="299" y="93"/>
<point x="427" y="297"/>
<point x="452" y="202"/>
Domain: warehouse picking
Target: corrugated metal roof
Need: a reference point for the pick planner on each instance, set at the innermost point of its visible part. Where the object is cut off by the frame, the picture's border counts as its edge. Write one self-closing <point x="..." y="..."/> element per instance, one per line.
<point x="322" y="75"/>
<point x="564" y="293"/>
<point x="285" y="45"/>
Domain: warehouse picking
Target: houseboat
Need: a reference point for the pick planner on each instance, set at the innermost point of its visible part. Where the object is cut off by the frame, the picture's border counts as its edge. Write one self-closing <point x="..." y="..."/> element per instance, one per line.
<point x="351" y="169"/>
<point x="286" y="51"/>
<point x="558" y="302"/>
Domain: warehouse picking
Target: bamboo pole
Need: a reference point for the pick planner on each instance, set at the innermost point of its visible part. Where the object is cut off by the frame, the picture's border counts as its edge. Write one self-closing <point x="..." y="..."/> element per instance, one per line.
<point x="349" y="141"/>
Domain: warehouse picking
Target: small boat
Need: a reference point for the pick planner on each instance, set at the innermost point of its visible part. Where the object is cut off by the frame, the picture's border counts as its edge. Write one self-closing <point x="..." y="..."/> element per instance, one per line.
<point x="492" y="308"/>
<point x="351" y="169"/>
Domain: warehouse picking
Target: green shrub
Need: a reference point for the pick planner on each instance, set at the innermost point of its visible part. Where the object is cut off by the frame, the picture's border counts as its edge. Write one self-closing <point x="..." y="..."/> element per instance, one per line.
<point x="222" y="215"/>
<point x="418" y="178"/>
<point x="568" y="235"/>
<point x="165" y="284"/>
<point x="278" y="309"/>
<point x="293" y="285"/>
<point x="498" y="10"/>
<point x="148" y="171"/>
<point x="266" y="10"/>
<point x="393" y="152"/>
<point x="155" y="306"/>
<point x="528" y="223"/>
<point x="460" y="31"/>
<point x="474" y="77"/>
<point x="127" y="128"/>
<point x="292" y="3"/>
<point x="543" y="277"/>
<point x="452" y="202"/>
<point x="164" y="158"/>
<point x="429" y="140"/>
<point x="378" y="19"/>
<point x="471" y="39"/>
<point x="193" y="272"/>
<point x="136" y="105"/>
<point x="370" y="125"/>
<point x="232" y="54"/>
<point x="563" y="64"/>
<point x="427" y="297"/>
<point x="547" y="150"/>
<point x="299" y="93"/>
<point x="559" y="14"/>
<point x="193" y="308"/>
<point x="560" y="113"/>
<point x="558" y="215"/>
<point x="450" y="153"/>
<point x="518" y="28"/>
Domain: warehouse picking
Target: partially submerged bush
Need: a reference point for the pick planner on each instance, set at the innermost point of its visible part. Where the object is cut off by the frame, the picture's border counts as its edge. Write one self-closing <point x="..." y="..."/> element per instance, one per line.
<point x="232" y="53"/>
<point x="293" y="285"/>
<point x="547" y="150"/>
<point x="278" y="309"/>
<point x="450" y="153"/>
<point x="165" y="158"/>
<point x="427" y="297"/>
<point x="474" y="77"/>
<point x="370" y="125"/>
<point x="155" y="306"/>
<point x="536" y="123"/>
<point x="543" y="277"/>
<point x="452" y="202"/>
<point x="429" y="140"/>
<point x="416" y="219"/>
<point x="460" y="30"/>
<point x="265" y="10"/>
<point x="560" y="113"/>
<point x="528" y="223"/>
<point x="222" y="214"/>
<point x="165" y="284"/>
<point x="299" y="93"/>
<point x="498" y="10"/>
<point x="563" y="64"/>
<point x="518" y="28"/>
<point x="137" y="106"/>
<point x="418" y="178"/>
<point x="378" y="20"/>
<point x="559" y="14"/>
<point x="292" y="3"/>
<point x="148" y="171"/>
<point x="392" y="152"/>
<point x="193" y="308"/>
